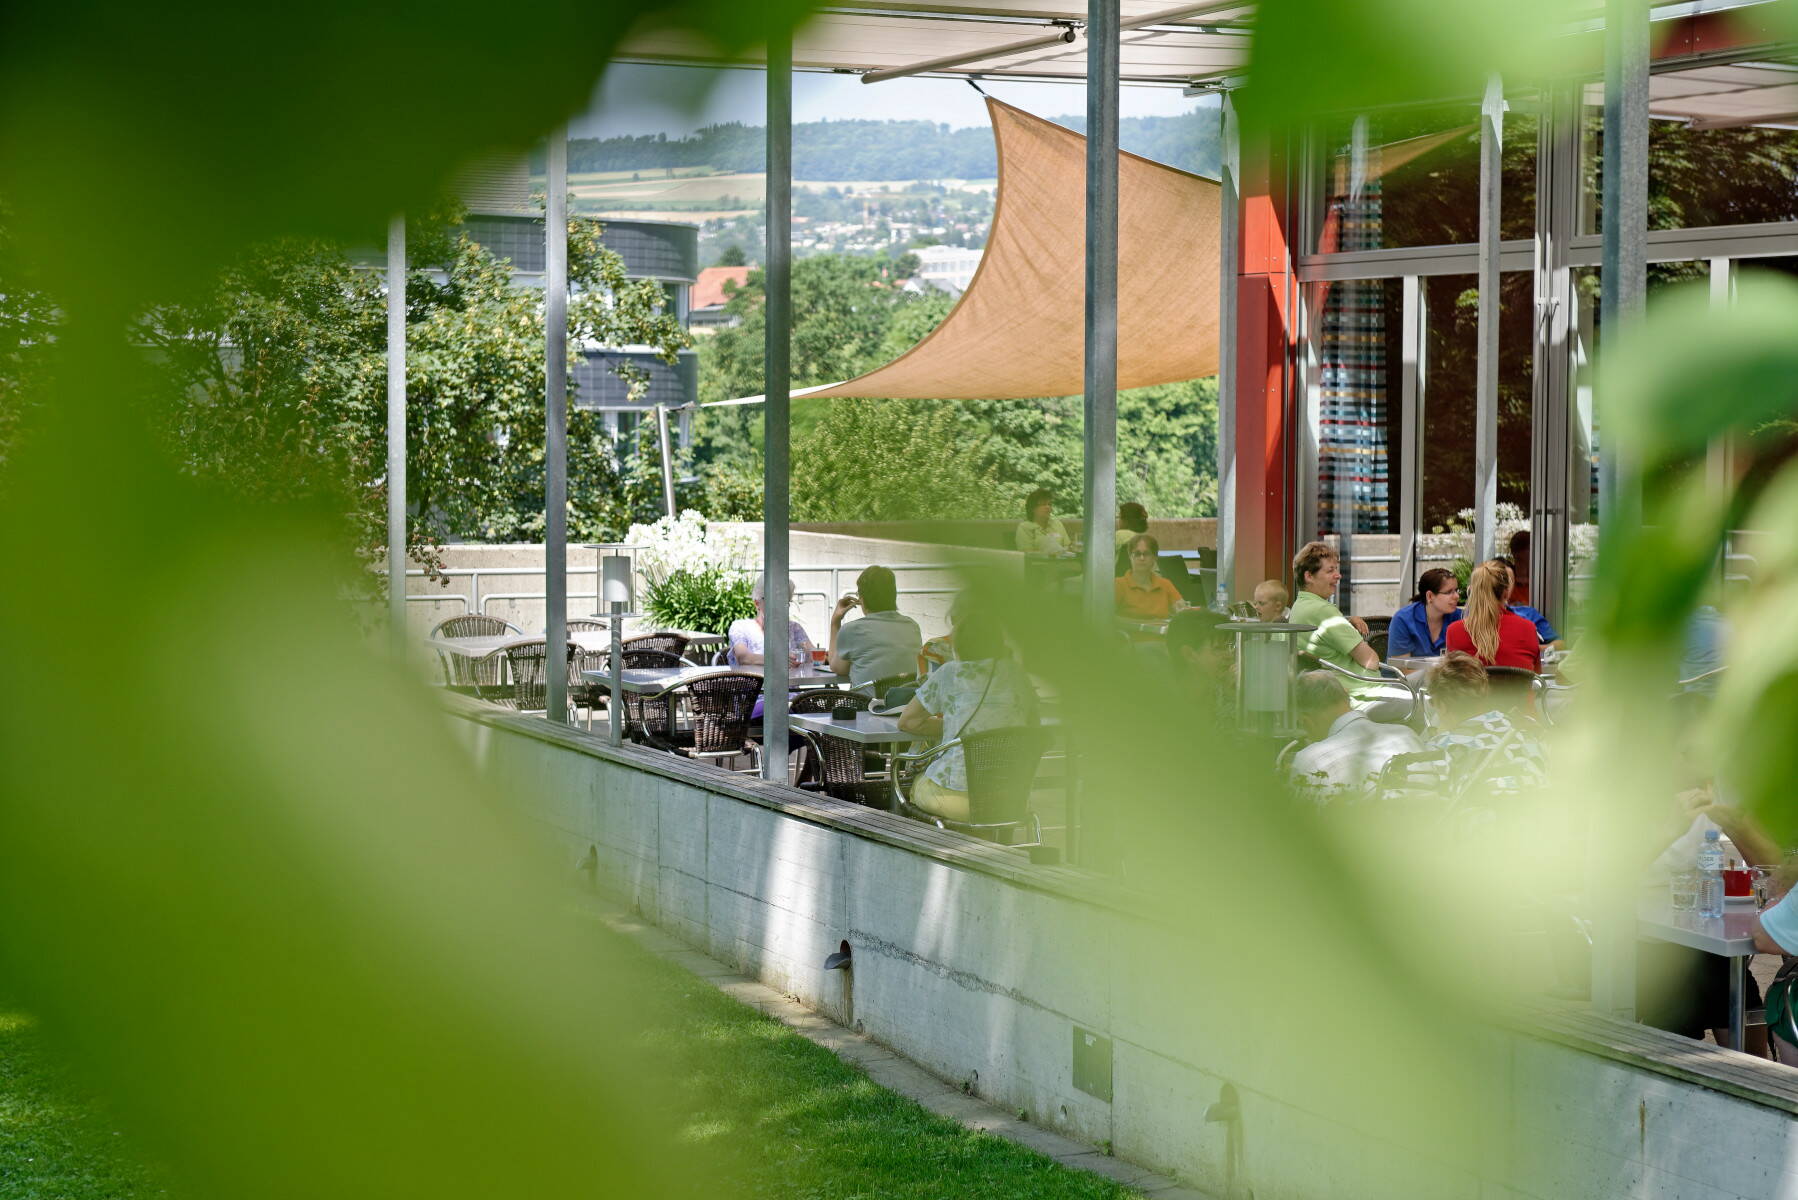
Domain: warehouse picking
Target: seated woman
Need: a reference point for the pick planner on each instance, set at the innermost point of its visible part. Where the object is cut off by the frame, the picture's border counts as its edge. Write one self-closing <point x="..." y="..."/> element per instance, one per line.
<point x="1418" y="629"/>
<point x="747" y="634"/>
<point x="1040" y="532"/>
<point x="980" y="688"/>
<point x="1143" y="594"/>
<point x="1491" y="632"/>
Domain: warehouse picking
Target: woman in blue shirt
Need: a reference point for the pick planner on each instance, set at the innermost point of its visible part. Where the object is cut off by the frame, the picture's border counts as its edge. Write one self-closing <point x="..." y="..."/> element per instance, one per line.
<point x="1418" y="628"/>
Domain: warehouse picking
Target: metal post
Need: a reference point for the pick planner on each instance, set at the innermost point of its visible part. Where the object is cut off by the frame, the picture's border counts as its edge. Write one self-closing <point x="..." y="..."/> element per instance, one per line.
<point x="1410" y="467"/>
<point x="667" y="459"/>
<point x="1623" y="288"/>
<point x="1719" y="459"/>
<point x="1624" y="270"/>
<point x="1101" y="303"/>
<point x="555" y="428"/>
<point x="777" y="274"/>
<point x="1485" y="437"/>
<point x="1228" y="269"/>
<point x="396" y="433"/>
<point x="1553" y="498"/>
<point x="1100" y="457"/>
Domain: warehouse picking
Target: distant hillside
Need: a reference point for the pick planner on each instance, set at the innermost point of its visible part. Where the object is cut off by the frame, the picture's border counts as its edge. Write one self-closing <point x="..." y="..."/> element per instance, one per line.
<point x="872" y="150"/>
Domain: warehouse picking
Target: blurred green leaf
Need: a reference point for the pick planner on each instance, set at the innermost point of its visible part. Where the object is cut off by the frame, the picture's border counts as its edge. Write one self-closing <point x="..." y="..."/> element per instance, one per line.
<point x="1317" y="57"/>
<point x="1688" y="372"/>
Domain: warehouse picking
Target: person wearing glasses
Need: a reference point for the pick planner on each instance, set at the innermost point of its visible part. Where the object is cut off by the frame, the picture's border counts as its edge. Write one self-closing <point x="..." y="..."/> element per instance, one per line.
<point x="1419" y="629"/>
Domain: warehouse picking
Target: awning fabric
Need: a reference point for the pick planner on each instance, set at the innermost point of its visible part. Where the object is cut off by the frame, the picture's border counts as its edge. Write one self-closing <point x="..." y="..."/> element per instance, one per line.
<point x="1019" y="329"/>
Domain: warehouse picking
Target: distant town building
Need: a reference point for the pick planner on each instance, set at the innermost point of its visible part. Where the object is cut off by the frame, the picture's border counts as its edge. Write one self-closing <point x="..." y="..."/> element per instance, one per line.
<point x="947" y="268"/>
<point x="710" y="295"/>
<point x="503" y="218"/>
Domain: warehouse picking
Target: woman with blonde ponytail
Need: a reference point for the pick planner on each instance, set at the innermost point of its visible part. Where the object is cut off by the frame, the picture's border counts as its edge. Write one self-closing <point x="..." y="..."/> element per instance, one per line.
<point x="1489" y="630"/>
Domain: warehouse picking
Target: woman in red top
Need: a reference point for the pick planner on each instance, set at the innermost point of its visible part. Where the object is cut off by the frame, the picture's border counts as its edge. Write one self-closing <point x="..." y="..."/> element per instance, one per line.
<point x="1491" y="632"/>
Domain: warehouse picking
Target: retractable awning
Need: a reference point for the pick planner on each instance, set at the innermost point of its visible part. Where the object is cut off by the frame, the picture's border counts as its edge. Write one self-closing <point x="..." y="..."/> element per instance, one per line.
<point x="1019" y="330"/>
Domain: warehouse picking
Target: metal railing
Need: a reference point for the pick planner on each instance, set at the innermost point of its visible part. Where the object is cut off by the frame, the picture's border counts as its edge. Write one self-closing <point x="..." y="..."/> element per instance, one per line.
<point x="475" y="600"/>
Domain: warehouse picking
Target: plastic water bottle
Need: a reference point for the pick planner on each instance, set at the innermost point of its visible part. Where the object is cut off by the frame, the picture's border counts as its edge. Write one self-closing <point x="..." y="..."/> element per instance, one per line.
<point x="1710" y="875"/>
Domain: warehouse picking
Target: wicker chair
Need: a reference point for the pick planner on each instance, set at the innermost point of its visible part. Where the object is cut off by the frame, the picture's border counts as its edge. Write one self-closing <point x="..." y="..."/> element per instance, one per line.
<point x="832" y="765"/>
<point x="719" y="708"/>
<point x="642" y="712"/>
<point x="672" y="643"/>
<point x="584" y="695"/>
<point x="530" y="680"/>
<point x="483" y="677"/>
<point x="1000" y="763"/>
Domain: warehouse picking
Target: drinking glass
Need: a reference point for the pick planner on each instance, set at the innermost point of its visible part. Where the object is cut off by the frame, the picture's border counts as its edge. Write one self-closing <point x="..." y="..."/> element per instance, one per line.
<point x="1685" y="891"/>
<point x="1763" y="886"/>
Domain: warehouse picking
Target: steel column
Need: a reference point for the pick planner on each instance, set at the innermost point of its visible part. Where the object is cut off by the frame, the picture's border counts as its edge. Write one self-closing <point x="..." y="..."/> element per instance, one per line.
<point x="1624" y="280"/>
<point x="776" y="384"/>
<point x="1624" y="287"/>
<point x="1552" y="490"/>
<point x="1410" y="466"/>
<point x="1101" y="304"/>
<point x="1229" y="267"/>
<point x="1485" y="439"/>
<point x="555" y="427"/>
<point x="396" y="433"/>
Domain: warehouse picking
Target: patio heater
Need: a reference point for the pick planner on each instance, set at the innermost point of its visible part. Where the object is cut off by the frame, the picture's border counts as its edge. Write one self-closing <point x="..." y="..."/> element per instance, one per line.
<point x="1266" y="685"/>
<point x="615" y="601"/>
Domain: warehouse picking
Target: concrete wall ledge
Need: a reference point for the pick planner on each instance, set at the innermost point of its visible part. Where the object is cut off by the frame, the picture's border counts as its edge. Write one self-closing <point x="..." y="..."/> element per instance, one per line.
<point x="1758" y="1082"/>
<point x="1000" y="862"/>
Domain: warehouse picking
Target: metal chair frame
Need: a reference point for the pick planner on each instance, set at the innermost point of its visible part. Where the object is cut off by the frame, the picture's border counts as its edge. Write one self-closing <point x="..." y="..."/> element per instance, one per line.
<point x="907" y="767"/>
<point x="714" y="734"/>
<point x="1388" y="674"/>
<point x="483" y="677"/>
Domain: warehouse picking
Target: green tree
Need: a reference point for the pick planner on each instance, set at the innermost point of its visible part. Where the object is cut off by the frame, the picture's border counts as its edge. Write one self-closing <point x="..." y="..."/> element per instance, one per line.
<point x="891" y="460"/>
<point x="275" y="382"/>
<point x="732" y="256"/>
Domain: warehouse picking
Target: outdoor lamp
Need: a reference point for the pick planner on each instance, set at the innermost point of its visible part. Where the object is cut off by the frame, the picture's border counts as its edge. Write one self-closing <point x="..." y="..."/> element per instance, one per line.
<point x="1265" y="682"/>
<point x="615" y="583"/>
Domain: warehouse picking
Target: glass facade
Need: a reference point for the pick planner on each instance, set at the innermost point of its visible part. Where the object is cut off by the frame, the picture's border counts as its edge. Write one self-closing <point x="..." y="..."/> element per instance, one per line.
<point x="1391" y="290"/>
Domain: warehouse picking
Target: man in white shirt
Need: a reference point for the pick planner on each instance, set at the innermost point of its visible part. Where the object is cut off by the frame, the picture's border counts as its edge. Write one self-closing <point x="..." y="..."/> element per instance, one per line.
<point x="1348" y="750"/>
<point x="884" y="642"/>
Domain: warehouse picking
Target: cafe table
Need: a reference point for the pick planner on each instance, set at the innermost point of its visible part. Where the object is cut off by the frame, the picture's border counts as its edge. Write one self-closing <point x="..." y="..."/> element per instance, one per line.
<point x="1729" y="936"/>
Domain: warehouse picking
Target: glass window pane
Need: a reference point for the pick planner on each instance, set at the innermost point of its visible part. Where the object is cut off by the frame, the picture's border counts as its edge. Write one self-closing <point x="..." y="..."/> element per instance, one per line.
<point x="1359" y="435"/>
<point x="1450" y="394"/>
<point x="1722" y="146"/>
<point x="1410" y="177"/>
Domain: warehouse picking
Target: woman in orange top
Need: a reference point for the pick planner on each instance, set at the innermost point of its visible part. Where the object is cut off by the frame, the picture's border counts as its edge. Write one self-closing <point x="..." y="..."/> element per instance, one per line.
<point x="1143" y="595"/>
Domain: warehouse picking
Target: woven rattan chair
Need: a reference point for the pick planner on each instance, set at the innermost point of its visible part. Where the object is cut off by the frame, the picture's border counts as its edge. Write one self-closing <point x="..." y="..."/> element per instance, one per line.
<point x="672" y="643"/>
<point x="483" y="677"/>
<point x="832" y="765"/>
<point x="1000" y="764"/>
<point x="530" y="680"/>
<point x="641" y="712"/>
<point x="718" y="708"/>
<point x="584" y="695"/>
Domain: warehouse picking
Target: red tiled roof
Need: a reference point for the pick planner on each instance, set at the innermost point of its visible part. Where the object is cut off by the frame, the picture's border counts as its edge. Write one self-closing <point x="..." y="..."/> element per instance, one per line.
<point x="708" y="289"/>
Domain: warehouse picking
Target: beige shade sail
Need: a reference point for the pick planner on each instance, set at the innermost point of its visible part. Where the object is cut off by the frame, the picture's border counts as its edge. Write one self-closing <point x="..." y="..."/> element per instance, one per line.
<point x="1019" y="330"/>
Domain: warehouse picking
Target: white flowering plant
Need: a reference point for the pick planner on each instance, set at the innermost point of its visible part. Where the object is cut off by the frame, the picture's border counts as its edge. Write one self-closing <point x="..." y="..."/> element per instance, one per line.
<point x="1455" y="539"/>
<point x="696" y="575"/>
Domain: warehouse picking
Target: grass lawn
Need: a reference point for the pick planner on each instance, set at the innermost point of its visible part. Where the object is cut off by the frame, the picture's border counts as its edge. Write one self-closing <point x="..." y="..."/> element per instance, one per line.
<point x="785" y="1118"/>
<point x="54" y="1143"/>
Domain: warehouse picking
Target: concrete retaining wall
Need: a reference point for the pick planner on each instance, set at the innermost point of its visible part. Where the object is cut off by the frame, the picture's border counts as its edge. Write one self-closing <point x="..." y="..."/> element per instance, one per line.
<point x="981" y="968"/>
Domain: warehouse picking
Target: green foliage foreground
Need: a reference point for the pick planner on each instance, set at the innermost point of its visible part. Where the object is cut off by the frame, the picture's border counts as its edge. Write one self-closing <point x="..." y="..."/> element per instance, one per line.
<point x="780" y="1117"/>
